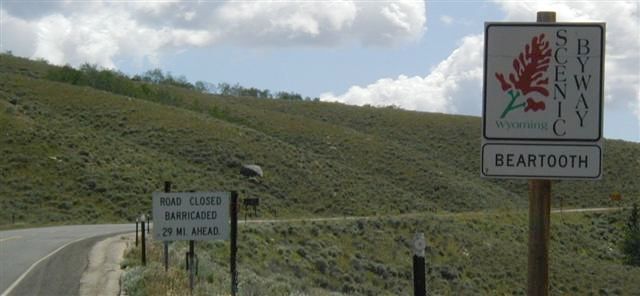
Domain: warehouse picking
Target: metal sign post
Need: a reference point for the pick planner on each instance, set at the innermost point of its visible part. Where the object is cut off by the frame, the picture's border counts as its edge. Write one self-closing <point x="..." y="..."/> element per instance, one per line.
<point x="167" y="188"/>
<point x="234" y="242"/>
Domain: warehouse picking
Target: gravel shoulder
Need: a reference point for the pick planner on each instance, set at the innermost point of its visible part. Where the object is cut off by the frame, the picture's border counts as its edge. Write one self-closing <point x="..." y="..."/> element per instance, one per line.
<point x="102" y="275"/>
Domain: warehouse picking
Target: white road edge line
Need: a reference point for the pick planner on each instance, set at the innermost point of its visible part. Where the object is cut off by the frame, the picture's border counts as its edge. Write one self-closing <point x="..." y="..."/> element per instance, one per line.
<point x="15" y="284"/>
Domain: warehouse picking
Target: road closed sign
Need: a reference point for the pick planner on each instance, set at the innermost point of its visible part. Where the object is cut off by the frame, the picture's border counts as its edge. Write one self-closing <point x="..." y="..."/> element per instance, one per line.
<point x="543" y="87"/>
<point x="191" y="216"/>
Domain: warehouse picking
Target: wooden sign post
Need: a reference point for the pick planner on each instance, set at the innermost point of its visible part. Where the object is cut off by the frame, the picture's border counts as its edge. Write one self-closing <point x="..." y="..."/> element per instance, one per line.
<point x="542" y="115"/>
<point x="539" y="219"/>
<point x="539" y="222"/>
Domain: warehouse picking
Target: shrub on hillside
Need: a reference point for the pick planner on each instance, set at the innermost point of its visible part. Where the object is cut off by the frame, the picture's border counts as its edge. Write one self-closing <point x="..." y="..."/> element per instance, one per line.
<point x="631" y="242"/>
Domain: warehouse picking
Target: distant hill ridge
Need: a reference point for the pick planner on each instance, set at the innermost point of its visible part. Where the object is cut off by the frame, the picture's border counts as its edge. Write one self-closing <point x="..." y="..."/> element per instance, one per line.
<point x="74" y="153"/>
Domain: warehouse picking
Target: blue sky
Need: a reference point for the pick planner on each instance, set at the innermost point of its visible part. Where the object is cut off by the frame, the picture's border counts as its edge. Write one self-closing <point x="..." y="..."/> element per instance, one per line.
<point x="418" y="55"/>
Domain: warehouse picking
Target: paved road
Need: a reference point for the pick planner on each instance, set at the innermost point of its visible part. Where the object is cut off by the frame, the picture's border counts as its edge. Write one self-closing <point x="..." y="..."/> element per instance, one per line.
<point x="48" y="260"/>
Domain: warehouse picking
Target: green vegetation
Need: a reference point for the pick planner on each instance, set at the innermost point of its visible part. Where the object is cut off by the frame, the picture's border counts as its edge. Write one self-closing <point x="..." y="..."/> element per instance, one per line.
<point x="631" y="242"/>
<point x="480" y="253"/>
<point x="88" y="146"/>
<point x="119" y="83"/>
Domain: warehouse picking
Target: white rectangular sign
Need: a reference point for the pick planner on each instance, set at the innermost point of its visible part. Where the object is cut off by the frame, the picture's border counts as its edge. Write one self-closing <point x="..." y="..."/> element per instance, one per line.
<point x="541" y="161"/>
<point x="543" y="100"/>
<point x="543" y="81"/>
<point x="191" y="216"/>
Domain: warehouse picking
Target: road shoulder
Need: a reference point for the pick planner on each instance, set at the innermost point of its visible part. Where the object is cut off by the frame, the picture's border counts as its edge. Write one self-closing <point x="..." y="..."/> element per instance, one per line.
<point x="102" y="275"/>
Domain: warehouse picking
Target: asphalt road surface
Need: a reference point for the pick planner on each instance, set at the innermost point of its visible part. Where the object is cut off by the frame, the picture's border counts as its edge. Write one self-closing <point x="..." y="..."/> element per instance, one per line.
<point x="49" y="260"/>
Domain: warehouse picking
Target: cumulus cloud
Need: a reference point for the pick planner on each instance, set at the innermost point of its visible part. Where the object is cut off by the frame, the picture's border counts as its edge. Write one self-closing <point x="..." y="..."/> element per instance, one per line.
<point x="437" y="92"/>
<point x="93" y="32"/>
<point x="102" y="31"/>
<point x="455" y="84"/>
<point x="21" y="38"/>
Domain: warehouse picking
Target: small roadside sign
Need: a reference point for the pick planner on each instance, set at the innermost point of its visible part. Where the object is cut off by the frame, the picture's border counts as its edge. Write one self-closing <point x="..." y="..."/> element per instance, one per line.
<point x="535" y="161"/>
<point x="191" y="216"/>
<point x="616" y="196"/>
<point x="543" y="87"/>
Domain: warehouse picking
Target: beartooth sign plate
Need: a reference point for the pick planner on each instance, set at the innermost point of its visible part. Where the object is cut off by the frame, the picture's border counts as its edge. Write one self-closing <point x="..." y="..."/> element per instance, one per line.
<point x="191" y="216"/>
<point x="541" y="161"/>
<point x="543" y="82"/>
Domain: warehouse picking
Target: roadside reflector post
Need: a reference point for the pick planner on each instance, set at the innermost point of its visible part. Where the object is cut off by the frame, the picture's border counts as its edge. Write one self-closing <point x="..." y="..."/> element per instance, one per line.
<point x="234" y="242"/>
<point x="144" y="249"/>
<point x="167" y="188"/>
<point x="419" y="276"/>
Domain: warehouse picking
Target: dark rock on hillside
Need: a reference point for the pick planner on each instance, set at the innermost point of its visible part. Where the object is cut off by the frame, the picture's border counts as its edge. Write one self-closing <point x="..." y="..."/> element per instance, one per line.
<point x="251" y="170"/>
<point x="448" y="273"/>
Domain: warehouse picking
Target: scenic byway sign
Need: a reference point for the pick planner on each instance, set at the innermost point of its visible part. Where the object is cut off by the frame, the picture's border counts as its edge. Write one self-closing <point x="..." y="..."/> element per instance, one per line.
<point x="191" y="216"/>
<point x="543" y="100"/>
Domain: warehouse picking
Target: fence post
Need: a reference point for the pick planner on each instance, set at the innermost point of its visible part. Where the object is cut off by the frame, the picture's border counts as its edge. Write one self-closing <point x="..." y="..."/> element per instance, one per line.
<point x="191" y="265"/>
<point x="137" y="221"/>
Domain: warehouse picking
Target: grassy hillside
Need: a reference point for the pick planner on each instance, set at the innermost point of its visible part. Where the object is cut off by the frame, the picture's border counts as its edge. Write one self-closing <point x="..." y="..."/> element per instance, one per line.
<point x="455" y="140"/>
<point x="75" y="153"/>
<point x="80" y="154"/>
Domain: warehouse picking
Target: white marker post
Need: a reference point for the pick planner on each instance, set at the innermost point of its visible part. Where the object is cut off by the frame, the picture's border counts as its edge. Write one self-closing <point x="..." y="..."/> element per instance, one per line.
<point x="419" y="276"/>
<point x="144" y="249"/>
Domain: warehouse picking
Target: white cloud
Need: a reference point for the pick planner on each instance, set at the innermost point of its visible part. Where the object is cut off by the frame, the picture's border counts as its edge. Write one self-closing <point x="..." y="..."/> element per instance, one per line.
<point x="102" y="31"/>
<point x="97" y="33"/>
<point x="440" y="91"/>
<point x="325" y="23"/>
<point x="20" y="39"/>
<point x="455" y="84"/>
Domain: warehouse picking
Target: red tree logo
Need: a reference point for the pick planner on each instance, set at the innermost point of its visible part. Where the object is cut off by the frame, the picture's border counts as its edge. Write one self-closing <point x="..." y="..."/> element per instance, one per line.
<point x="530" y="67"/>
